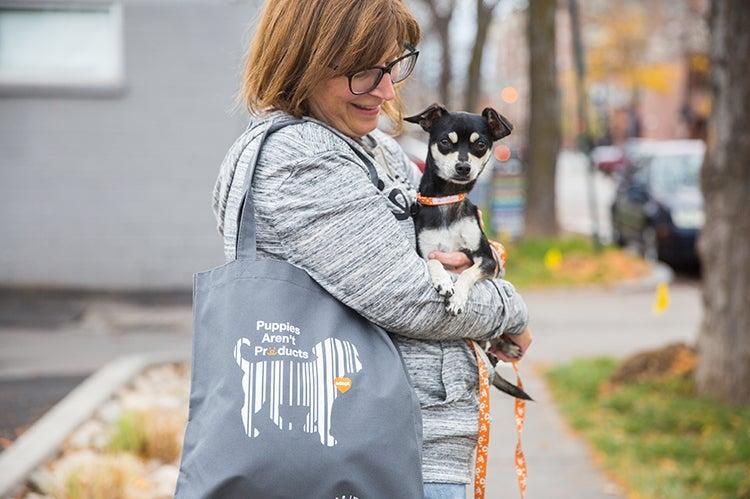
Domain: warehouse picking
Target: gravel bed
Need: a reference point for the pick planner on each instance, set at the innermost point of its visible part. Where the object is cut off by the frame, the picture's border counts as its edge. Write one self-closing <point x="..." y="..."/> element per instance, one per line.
<point x="87" y="465"/>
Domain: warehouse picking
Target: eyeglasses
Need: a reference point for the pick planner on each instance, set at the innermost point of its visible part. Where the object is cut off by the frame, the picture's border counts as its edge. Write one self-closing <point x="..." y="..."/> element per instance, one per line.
<point x="367" y="80"/>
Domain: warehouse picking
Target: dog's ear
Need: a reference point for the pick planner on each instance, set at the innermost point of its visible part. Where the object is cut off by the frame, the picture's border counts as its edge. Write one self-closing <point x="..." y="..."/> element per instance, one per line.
<point x="428" y="117"/>
<point x="499" y="124"/>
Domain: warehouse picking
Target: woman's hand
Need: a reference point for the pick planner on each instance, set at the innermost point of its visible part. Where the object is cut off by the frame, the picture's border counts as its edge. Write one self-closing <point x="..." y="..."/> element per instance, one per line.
<point x="523" y="340"/>
<point x="455" y="261"/>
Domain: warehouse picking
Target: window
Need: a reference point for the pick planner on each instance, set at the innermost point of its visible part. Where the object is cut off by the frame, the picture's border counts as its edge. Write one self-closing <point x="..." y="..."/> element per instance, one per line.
<point x="60" y="46"/>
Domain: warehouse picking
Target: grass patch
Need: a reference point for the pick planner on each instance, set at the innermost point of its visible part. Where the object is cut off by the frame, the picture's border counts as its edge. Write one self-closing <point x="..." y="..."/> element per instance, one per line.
<point x="84" y="474"/>
<point x="128" y="435"/>
<point x="154" y="434"/>
<point x="657" y="436"/>
<point x="108" y="477"/>
<point x="580" y="264"/>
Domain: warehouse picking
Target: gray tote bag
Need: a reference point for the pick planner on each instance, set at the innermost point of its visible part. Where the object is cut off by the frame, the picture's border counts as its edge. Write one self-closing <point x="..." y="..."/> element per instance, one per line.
<point x="293" y="394"/>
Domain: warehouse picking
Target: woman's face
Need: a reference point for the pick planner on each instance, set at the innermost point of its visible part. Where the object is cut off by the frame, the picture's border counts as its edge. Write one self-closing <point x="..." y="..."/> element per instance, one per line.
<point x="353" y="115"/>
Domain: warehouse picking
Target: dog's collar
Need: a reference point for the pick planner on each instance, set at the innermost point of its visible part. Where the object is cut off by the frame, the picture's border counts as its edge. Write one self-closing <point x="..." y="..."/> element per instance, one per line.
<point x="456" y="198"/>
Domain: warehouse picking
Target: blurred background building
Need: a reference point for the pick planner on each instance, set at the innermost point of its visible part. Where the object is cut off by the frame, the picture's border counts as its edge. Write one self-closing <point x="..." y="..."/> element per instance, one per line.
<point x="114" y="117"/>
<point x="647" y="69"/>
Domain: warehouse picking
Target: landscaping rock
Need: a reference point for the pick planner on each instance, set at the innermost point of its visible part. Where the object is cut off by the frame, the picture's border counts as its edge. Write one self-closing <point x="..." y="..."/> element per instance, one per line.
<point x="165" y="480"/>
<point x="158" y="400"/>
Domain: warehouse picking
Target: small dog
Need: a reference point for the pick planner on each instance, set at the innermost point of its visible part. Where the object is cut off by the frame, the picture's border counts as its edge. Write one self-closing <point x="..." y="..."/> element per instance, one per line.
<point x="460" y="146"/>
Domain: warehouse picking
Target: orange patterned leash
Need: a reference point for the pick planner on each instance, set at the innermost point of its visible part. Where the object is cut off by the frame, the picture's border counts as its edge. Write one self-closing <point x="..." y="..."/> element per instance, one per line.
<point x="520" y="412"/>
<point x="484" y="408"/>
<point x="483" y="440"/>
<point x="500" y="255"/>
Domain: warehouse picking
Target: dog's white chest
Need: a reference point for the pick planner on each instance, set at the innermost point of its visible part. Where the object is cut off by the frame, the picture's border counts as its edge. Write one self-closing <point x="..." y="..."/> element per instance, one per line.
<point x="464" y="234"/>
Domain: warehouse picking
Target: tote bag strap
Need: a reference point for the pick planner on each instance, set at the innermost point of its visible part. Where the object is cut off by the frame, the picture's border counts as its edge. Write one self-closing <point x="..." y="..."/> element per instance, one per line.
<point x="246" y="244"/>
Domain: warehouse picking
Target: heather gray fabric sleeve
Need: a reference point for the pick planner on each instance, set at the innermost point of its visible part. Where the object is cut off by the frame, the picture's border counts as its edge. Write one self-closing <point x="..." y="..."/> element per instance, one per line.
<point x="344" y="235"/>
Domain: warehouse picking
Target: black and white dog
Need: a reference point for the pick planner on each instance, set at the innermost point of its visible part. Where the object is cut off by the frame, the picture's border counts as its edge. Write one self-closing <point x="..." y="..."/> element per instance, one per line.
<point x="460" y="146"/>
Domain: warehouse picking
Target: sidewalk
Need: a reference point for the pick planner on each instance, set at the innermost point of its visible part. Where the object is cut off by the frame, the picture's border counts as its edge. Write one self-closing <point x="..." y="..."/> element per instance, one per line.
<point x="569" y="324"/>
<point x="559" y="464"/>
<point x="566" y="324"/>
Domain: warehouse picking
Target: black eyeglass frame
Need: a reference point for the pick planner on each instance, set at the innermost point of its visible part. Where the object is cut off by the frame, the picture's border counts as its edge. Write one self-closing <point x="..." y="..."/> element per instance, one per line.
<point x="383" y="70"/>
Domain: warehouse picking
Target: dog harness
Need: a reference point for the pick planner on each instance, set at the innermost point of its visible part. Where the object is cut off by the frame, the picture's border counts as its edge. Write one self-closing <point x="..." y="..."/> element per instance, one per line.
<point x="437" y="201"/>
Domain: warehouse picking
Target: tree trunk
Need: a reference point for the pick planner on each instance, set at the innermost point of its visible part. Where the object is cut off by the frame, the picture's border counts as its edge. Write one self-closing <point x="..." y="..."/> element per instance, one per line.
<point x="446" y="72"/>
<point x="544" y="120"/>
<point x="474" y="82"/>
<point x="724" y="246"/>
<point x="441" y="21"/>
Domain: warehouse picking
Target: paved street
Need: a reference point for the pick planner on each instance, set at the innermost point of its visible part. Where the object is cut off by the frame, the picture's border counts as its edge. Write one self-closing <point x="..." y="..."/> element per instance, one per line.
<point x="25" y="400"/>
<point x="49" y="344"/>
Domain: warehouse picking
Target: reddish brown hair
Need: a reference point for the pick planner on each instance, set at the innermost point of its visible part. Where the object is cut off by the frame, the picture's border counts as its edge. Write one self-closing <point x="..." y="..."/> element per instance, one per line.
<point x="299" y="42"/>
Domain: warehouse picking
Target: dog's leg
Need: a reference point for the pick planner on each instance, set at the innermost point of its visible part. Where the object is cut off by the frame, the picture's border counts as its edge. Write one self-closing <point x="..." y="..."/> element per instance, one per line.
<point x="441" y="279"/>
<point x="455" y="304"/>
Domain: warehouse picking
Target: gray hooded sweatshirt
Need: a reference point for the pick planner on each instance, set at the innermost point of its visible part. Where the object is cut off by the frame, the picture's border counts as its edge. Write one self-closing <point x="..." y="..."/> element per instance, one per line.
<point x="316" y="208"/>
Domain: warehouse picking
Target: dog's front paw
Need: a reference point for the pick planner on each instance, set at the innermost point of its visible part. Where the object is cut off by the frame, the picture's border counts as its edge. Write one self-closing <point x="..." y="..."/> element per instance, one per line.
<point x="444" y="289"/>
<point x="507" y="347"/>
<point x="456" y="303"/>
<point x="440" y="278"/>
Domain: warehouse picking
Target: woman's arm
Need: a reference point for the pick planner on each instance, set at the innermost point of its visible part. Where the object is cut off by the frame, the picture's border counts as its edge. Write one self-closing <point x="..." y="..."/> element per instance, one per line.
<point x="334" y="223"/>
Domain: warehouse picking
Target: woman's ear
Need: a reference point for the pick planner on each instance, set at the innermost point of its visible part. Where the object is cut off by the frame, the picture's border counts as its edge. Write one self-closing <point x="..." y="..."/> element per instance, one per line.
<point x="499" y="124"/>
<point x="428" y="117"/>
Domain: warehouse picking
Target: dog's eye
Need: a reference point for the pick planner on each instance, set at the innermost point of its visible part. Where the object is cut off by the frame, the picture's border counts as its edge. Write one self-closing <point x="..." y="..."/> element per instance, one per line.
<point x="480" y="144"/>
<point x="445" y="143"/>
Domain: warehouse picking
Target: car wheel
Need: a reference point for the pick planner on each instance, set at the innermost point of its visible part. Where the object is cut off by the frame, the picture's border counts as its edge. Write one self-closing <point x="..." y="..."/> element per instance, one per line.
<point x="649" y="244"/>
<point x="617" y="235"/>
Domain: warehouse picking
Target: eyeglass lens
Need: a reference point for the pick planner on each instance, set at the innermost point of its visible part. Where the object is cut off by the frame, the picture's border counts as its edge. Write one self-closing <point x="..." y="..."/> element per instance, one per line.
<point x="366" y="80"/>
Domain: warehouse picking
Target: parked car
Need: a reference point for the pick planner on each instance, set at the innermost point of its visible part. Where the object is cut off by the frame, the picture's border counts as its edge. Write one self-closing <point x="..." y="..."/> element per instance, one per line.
<point x="608" y="159"/>
<point x="658" y="205"/>
<point x="616" y="159"/>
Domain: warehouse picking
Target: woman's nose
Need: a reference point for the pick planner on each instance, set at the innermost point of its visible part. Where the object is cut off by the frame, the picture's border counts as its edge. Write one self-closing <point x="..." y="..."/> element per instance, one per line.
<point x="384" y="90"/>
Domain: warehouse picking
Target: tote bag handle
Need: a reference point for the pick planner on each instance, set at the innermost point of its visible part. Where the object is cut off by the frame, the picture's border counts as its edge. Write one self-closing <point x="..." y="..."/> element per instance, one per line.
<point x="245" y="243"/>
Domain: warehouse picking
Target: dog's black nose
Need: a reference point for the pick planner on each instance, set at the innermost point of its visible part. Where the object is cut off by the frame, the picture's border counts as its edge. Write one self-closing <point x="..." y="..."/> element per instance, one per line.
<point x="463" y="168"/>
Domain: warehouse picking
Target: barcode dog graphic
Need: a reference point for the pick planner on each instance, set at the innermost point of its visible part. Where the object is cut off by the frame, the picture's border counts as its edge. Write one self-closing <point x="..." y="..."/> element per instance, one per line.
<point x="278" y="389"/>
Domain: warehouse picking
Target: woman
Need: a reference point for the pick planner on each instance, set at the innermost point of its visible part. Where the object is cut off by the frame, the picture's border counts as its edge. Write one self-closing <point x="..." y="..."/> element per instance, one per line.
<point x="334" y="64"/>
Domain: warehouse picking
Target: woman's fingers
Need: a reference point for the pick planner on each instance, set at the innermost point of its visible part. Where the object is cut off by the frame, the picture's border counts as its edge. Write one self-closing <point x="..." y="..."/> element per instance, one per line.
<point x="454" y="261"/>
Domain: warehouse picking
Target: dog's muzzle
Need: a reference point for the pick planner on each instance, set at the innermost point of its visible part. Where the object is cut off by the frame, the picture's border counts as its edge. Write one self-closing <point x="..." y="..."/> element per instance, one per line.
<point x="463" y="169"/>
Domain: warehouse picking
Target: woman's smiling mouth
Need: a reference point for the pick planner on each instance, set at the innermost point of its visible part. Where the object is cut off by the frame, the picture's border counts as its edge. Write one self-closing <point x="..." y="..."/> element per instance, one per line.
<point x="368" y="110"/>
